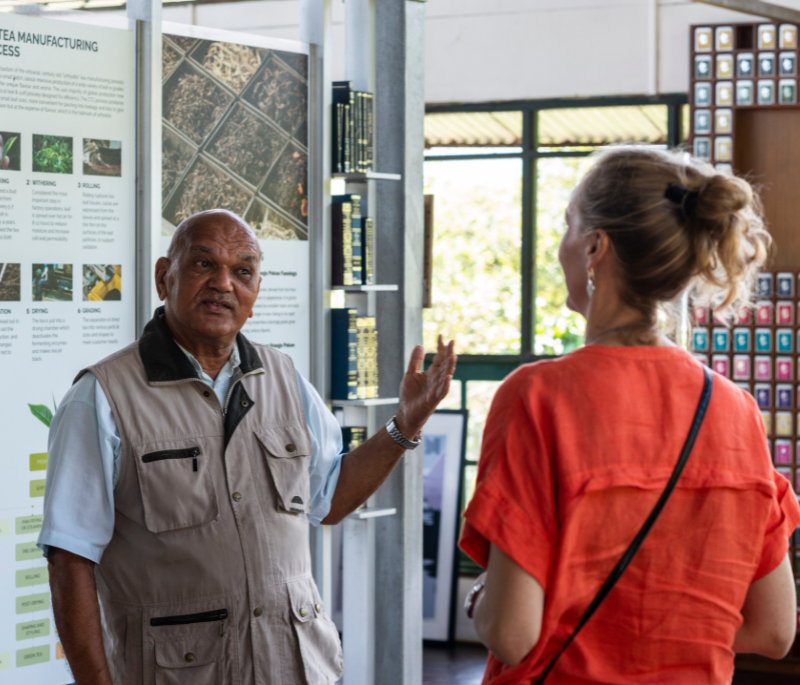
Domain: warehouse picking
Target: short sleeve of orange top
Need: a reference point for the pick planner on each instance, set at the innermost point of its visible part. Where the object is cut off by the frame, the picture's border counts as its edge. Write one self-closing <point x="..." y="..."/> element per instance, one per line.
<point x="575" y="453"/>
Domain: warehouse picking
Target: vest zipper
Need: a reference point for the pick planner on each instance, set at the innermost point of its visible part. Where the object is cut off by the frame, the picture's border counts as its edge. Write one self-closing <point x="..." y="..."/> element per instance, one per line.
<point x="187" y="619"/>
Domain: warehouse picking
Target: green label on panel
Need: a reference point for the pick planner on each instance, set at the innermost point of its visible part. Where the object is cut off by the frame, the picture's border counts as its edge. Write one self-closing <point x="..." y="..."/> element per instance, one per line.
<point x="37" y="488"/>
<point x="4" y="528"/>
<point x="39" y="461"/>
<point x="29" y="603"/>
<point x="5" y="660"/>
<point x="31" y="629"/>
<point x="32" y="576"/>
<point x="29" y="524"/>
<point x="33" y="655"/>
<point x="28" y="550"/>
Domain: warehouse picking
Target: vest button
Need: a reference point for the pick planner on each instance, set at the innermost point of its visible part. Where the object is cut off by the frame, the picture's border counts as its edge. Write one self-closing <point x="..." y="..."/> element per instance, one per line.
<point x="303" y="613"/>
<point x="258" y="611"/>
<point x="237" y="496"/>
<point x="290" y="447"/>
<point x="245" y="403"/>
<point x="189" y="656"/>
<point x="318" y="608"/>
<point x="206" y="393"/>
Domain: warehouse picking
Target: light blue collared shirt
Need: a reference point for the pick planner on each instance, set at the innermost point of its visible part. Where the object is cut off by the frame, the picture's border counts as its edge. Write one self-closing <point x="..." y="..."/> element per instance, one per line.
<point x="84" y="450"/>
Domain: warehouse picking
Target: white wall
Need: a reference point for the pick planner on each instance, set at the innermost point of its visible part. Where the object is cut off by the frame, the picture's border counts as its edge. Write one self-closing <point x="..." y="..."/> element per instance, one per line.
<point x="487" y="50"/>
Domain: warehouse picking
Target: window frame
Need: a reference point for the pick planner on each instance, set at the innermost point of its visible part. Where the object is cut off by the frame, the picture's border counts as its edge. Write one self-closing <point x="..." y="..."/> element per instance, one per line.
<point x="496" y="367"/>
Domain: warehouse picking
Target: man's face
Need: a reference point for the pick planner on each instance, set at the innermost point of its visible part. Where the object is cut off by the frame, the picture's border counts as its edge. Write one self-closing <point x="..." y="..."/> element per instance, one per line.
<point x="211" y="284"/>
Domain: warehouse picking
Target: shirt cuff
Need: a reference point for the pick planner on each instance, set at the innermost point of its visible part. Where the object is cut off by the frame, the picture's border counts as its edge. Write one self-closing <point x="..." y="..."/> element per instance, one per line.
<point x="87" y="550"/>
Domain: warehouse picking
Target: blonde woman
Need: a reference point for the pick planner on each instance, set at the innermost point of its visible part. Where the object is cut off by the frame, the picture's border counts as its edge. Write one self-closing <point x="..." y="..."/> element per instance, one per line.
<point x="577" y="451"/>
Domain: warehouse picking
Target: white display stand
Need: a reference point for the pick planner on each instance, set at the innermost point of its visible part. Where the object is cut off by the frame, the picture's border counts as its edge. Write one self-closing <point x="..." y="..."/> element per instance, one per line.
<point x="67" y="237"/>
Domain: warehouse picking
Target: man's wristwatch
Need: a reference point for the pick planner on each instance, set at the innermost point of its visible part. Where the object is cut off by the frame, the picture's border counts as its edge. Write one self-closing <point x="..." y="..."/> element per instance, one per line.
<point x="401" y="439"/>
<point x="472" y="595"/>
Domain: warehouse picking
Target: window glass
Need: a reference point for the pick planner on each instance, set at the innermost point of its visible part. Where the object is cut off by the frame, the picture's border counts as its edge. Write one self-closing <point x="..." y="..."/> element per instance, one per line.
<point x="453" y="398"/>
<point x="476" y="255"/>
<point x="558" y="330"/>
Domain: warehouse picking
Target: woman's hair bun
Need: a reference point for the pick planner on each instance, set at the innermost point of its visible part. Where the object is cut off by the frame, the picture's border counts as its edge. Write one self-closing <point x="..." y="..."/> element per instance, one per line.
<point x="720" y="198"/>
<point x="675" y="222"/>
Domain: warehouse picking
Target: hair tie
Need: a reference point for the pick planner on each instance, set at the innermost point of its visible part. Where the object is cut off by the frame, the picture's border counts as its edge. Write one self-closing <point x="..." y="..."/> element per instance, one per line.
<point x="683" y="197"/>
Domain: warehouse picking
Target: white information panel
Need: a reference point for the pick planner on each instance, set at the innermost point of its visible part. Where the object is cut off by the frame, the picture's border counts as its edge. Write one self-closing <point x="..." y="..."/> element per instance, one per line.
<point x="66" y="280"/>
<point x="246" y="152"/>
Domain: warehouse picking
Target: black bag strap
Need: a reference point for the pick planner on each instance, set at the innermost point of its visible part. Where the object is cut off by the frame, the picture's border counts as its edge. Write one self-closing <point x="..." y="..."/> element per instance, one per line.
<point x="626" y="558"/>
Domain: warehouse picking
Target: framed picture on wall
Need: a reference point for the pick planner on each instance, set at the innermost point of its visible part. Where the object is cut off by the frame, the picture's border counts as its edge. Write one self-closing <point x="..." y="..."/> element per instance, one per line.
<point x="443" y="459"/>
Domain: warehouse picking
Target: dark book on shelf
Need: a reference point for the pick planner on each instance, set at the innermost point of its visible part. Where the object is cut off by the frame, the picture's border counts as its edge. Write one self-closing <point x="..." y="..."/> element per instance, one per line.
<point x="352" y="437"/>
<point x="344" y="359"/>
<point x="342" y="243"/>
<point x="362" y="134"/>
<point x="344" y="94"/>
<point x="368" y="127"/>
<point x="337" y="151"/>
<point x="353" y="129"/>
<point x="357" y="236"/>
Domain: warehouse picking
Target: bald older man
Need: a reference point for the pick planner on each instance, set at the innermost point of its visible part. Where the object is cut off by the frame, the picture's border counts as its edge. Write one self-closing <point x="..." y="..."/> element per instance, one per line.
<point x="181" y="476"/>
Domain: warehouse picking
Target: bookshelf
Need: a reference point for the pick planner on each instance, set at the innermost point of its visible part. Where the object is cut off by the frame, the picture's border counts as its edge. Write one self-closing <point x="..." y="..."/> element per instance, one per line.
<point x="745" y="119"/>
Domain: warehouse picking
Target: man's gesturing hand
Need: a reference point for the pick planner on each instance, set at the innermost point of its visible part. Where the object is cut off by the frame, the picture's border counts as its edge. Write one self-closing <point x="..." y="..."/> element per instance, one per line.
<point x="421" y="391"/>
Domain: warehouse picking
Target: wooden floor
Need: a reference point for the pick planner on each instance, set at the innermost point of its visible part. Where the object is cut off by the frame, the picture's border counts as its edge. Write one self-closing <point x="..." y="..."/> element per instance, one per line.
<point x="464" y="664"/>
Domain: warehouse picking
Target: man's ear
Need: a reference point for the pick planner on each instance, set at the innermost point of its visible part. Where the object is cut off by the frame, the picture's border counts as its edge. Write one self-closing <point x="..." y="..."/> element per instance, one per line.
<point x="258" y="290"/>
<point x="162" y="269"/>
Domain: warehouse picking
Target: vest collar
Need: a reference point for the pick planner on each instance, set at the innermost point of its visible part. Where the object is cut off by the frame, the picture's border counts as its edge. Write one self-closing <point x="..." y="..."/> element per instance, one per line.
<point x="164" y="362"/>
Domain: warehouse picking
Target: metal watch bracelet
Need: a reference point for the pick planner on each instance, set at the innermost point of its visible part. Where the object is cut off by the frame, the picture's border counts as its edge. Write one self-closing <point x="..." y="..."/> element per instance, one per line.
<point x="401" y="439"/>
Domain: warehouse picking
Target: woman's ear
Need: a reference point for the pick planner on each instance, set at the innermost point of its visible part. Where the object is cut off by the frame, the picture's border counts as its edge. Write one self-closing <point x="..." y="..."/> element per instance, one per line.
<point x="598" y="246"/>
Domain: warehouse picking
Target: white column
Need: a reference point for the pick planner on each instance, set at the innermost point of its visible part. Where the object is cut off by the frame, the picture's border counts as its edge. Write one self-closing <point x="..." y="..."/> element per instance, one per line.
<point x="147" y="14"/>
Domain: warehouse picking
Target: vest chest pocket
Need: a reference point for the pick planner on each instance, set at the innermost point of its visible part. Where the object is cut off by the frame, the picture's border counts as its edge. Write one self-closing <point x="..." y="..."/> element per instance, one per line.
<point x="176" y="485"/>
<point x="287" y="452"/>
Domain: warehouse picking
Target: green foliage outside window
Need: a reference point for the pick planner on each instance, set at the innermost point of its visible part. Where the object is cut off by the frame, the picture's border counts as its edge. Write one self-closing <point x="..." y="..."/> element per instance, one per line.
<point x="558" y="330"/>
<point x="476" y="258"/>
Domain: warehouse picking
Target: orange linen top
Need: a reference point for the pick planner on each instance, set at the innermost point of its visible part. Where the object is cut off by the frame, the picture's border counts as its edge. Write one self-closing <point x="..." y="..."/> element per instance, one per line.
<point x="575" y="453"/>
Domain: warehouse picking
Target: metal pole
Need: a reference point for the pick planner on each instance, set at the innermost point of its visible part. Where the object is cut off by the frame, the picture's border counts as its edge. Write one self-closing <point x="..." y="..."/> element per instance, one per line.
<point x="147" y="14"/>
<point x="399" y="211"/>
<point x="528" y="298"/>
<point x="315" y="23"/>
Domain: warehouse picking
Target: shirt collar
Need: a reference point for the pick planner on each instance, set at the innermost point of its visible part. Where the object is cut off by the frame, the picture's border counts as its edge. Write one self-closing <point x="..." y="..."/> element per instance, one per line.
<point x="165" y="363"/>
<point x="227" y="369"/>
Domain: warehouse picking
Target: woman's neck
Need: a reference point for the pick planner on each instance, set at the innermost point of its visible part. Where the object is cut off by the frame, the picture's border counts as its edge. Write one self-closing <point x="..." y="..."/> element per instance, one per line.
<point x="617" y="324"/>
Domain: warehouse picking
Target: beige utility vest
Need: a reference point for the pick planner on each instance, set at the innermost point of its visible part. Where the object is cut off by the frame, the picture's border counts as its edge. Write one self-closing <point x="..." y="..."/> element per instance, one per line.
<point x="207" y="579"/>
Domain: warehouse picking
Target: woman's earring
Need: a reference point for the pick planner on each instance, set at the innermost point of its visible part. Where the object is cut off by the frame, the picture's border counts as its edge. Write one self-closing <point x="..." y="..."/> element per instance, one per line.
<point x="590" y="283"/>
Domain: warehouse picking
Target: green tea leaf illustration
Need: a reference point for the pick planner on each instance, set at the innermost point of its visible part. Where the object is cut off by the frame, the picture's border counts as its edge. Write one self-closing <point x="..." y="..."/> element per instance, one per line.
<point x="42" y="412"/>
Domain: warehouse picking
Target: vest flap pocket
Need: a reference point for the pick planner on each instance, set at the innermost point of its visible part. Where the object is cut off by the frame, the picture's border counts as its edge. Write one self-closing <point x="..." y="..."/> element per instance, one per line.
<point x="189" y="652"/>
<point x="317" y="637"/>
<point x="176" y="484"/>
<point x="287" y="452"/>
<point x="286" y="443"/>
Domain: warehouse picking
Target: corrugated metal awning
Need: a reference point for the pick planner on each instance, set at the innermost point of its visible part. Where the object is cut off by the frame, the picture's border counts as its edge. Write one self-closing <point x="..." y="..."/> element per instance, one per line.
<point x="568" y="127"/>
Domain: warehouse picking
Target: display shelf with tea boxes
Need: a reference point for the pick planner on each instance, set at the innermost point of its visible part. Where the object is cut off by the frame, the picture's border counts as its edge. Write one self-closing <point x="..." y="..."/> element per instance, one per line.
<point x="760" y="351"/>
<point x="735" y="66"/>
